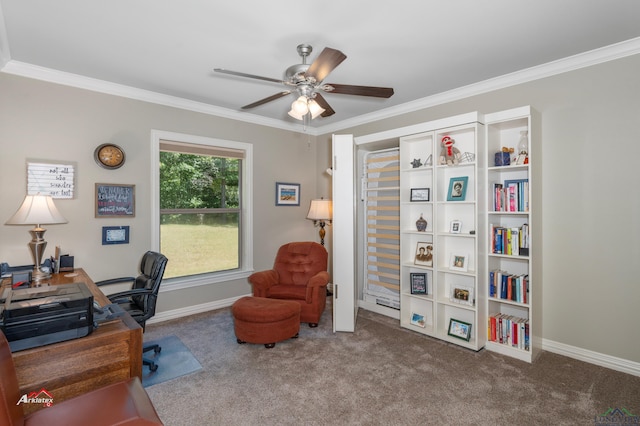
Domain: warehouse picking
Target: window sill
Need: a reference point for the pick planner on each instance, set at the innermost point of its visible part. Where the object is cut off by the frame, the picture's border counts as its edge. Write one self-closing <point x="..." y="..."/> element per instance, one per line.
<point x="180" y="283"/>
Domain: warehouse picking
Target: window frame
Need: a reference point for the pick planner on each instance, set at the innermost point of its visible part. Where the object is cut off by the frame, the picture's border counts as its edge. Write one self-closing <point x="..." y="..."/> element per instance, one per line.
<point x="246" y="220"/>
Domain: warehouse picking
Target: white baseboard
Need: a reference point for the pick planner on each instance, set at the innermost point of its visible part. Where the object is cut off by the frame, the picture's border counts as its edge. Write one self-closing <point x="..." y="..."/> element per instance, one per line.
<point x="191" y="310"/>
<point x="603" y="360"/>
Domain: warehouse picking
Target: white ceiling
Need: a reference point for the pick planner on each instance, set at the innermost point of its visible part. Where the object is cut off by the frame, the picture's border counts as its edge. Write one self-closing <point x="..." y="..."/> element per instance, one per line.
<point x="421" y="48"/>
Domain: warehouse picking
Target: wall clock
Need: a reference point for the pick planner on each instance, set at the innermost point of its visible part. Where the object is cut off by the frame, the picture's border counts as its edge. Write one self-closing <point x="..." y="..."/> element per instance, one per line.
<point x="109" y="155"/>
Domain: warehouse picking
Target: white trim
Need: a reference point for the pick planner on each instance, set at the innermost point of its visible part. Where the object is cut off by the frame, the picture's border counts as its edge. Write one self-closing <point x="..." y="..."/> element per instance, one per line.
<point x="603" y="360"/>
<point x="604" y="54"/>
<point x="247" y="202"/>
<point x="171" y="284"/>
<point x="192" y="310"/>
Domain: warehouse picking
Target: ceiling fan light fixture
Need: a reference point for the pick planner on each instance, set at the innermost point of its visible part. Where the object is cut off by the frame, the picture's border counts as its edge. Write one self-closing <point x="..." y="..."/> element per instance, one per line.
<point x="315" y="109"/>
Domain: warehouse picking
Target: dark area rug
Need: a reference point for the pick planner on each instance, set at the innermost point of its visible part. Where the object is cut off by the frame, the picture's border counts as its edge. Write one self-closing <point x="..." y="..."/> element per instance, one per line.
<point x="174" y="360"/>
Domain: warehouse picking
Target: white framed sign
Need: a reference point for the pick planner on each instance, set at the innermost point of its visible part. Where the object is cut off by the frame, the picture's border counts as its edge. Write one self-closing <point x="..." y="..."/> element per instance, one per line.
<point x="51" y="178"/>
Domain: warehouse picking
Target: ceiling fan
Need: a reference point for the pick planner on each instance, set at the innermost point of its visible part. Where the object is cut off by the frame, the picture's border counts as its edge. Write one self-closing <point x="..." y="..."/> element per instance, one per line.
<point x="307" y="81"/>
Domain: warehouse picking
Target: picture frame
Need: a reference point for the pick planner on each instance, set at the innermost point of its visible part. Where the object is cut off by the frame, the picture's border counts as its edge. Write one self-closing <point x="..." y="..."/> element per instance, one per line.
<point x="54" y="178"/>
<point x="418" y="319"/>
<point x="424" y="254"/>
<point x="420" y="194"/>
<point x="459" y="262"/>
<point x="419" y="283"/>
<point x="459" y="329"/>
<point x="455" y="227"/>
<point x="462" y="295"/>
<point x="287" y="194"/>
<point x="115" y="200"/>
<point x="458" y="188"/>
<point x="115" y="235"/>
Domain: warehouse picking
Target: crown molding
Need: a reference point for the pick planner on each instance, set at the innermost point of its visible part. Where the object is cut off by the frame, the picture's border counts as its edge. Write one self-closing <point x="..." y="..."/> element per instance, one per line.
<point x="582" y="60"/>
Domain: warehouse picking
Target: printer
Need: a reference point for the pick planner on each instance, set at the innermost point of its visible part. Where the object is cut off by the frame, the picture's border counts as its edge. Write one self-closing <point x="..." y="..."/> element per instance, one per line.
<point x="38" y="316"/>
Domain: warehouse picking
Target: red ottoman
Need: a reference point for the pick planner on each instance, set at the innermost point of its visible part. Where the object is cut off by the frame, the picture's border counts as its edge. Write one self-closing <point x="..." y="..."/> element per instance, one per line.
<point x="266" y="321"/>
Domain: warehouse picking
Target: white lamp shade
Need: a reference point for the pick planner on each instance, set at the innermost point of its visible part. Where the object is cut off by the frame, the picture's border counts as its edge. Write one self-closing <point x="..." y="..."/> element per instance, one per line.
<point x="37" y="210"/>
<point x="315" y="109"/>
<point x="296" y="115"/>
<point x="300" y="105"/>
<point x="320" y="210"/>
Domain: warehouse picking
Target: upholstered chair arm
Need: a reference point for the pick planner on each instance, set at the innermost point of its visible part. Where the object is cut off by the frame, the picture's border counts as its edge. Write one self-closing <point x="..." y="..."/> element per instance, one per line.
<point x="261" y="281"/>
<point x="125" y="295"/>
<point x="317" y="284"/>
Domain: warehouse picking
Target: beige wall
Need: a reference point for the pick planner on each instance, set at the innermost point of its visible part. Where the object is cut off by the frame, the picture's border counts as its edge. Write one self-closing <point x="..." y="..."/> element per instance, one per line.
<point x="54" y="122"/>
<point x="590" y="214"/>
<point x="591" y="201"/>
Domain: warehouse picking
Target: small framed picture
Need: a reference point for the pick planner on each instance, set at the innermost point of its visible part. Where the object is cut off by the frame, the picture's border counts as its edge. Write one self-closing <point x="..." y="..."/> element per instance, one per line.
<point x="417" y="319"/>
<point x="459" y="329"/>
<point x="115" y="200"/>
<point x="462" y="295"/>
<point x="459" y="262"/>
<point x="424" y="254"/>
<point x="455" y="227"/>
<point x="420" y="194"/>
<point x="457" y="188"/>
<point x="287" y="194"/>
<point x="419" y="283"/>
<point x="115" y="235"/>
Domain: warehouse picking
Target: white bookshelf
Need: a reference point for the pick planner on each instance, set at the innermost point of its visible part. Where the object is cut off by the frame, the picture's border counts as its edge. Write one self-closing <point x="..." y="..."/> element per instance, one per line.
<point x="437" y="308"/>
<point x="517" y="327"/>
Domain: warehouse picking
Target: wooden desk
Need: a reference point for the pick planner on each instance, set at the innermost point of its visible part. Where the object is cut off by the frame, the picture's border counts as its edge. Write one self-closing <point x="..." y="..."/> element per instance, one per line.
<point x="110" y="354"/>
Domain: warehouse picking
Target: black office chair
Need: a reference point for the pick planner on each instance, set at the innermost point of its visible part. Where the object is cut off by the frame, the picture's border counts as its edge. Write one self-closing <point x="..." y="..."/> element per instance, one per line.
<point x="140" y="301"/>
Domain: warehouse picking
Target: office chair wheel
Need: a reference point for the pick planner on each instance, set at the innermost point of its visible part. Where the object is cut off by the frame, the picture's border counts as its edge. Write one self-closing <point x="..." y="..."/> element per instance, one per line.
<point x="157" y="350"/>
<point x="153" y="366"/>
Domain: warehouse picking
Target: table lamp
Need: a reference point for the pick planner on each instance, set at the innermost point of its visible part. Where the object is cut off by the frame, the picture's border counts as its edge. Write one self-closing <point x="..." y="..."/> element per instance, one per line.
<point x="320" y="211"/>
<point x="37" y="210"/>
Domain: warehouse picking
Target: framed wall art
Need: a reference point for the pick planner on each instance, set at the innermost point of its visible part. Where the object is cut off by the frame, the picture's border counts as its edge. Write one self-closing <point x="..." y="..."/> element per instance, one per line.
<point x="459" y="262"/>
<point x="287" y="194"/>
<point x="420" y="194"/>
<point x="424" y="254"/>
<point x="115" y="235"/>
<point x="115" y="200"/>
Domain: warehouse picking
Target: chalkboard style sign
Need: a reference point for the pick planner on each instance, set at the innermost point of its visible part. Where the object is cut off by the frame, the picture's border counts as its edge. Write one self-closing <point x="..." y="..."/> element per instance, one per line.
<point x="115" y="200"/>
<point x="49" y="178"/>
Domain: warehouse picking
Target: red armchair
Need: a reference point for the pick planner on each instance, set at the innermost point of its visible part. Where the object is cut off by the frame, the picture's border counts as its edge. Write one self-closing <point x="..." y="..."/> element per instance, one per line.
<point x="300" y="274"/>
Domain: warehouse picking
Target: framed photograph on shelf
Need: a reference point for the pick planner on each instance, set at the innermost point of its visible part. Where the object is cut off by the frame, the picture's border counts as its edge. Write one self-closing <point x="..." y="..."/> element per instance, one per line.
<point x="457" y="188"/>
<point x="459" y="329"/>
<point x="287" y="194"/>
<point x="455" y="227"/>
<point x="115" y="235"/>
<point x="115" y="200"/>
<point x="424" y="254"/>
<point x="417" y="319"/>
<point x="459" y="262"/>
<point x="420" y="194"/>
<point x="419" y="283"/>
<point x="462" y="295"/>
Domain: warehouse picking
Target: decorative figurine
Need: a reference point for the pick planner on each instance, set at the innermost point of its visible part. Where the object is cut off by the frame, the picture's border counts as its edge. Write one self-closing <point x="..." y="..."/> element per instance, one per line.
<point x="416" y="163"/>
<point x="523" y="148"/>
<point x="421" y="224"/>
<point x="449" y="155"/>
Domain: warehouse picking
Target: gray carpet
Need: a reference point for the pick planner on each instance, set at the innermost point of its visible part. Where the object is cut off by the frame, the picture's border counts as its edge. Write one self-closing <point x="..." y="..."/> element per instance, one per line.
<point x="379" y="375"/>
<point x="174" y="360"/>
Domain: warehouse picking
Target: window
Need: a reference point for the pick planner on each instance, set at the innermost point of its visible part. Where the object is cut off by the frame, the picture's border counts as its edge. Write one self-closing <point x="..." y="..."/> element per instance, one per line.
<point x="202" y="203"/>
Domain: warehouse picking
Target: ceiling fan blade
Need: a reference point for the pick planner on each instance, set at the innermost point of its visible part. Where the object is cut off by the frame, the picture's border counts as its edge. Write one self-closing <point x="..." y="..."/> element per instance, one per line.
<point x="326" y="62"/>
<point x="242" y="74"/>
<point x="268" y="99"/>
<point x="323" y="103"/>
<point x="347" y="89"/>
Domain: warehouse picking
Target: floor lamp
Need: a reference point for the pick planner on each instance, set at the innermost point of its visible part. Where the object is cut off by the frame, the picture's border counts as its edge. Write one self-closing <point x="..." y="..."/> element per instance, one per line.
<point x="321" y="212"/>
<point x="37" y="210"/>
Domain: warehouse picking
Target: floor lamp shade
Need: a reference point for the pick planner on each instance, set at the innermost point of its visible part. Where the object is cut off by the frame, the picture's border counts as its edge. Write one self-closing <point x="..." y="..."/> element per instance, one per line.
<point x="37" y="210"/>
<point x="320" y="211"/>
